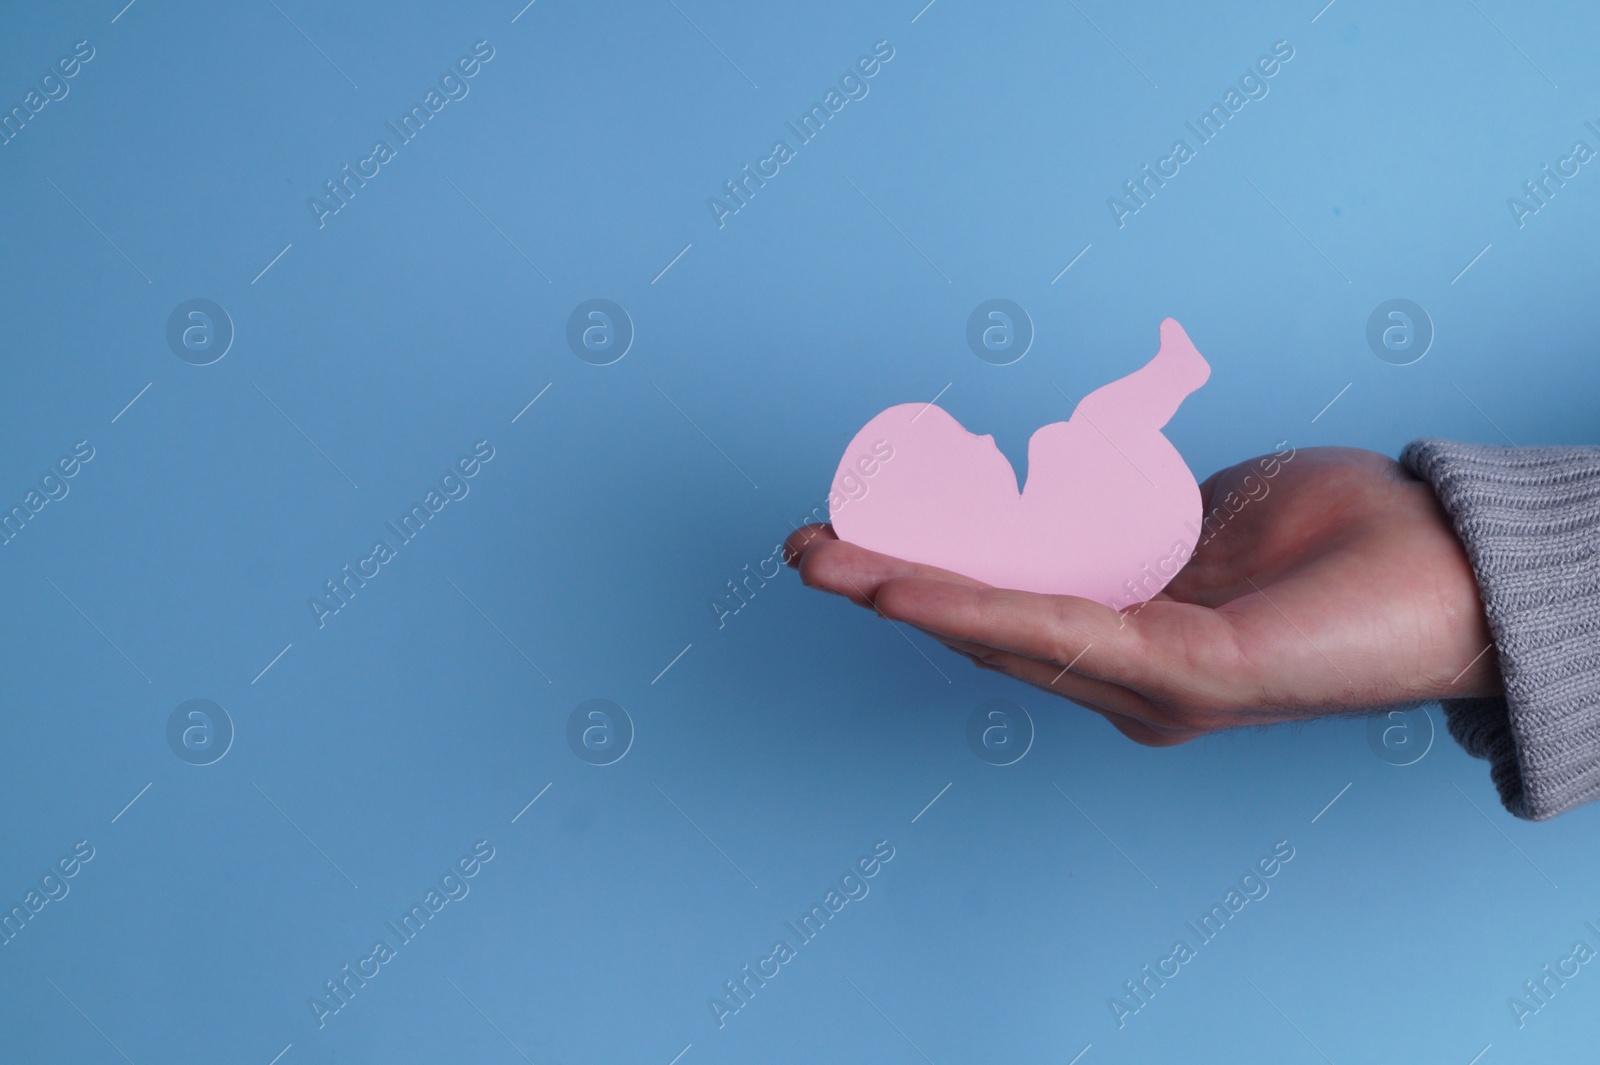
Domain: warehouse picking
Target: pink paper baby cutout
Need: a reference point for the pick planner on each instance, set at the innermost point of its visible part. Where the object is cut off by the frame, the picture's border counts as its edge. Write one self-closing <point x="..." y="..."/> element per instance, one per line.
<point x="1110" y="511"/>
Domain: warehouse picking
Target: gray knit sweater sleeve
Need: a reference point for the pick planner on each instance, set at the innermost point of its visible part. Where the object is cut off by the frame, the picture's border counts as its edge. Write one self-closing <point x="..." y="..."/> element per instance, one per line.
<point x="1530" y="521"/>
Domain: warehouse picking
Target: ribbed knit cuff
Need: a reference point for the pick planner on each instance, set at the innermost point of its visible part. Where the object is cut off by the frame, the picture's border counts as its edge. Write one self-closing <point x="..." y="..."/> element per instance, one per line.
<point x="1530" y="521"/>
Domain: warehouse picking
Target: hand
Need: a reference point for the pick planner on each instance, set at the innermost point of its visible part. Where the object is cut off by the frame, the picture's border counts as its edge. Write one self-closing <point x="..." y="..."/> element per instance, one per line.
<point x="1340" y="586"/>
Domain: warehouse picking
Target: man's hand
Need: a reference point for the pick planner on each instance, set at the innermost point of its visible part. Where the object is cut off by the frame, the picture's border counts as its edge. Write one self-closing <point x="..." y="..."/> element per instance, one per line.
<point x="1342" y="587"/>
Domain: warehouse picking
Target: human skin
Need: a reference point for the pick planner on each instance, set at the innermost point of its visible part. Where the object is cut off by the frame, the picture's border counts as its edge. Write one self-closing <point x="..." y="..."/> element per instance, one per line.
<point x="1343" y="588"/>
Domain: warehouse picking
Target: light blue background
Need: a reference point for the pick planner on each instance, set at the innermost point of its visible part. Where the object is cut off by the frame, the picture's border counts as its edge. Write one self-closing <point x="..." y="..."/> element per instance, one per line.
<point x="804" y="730"/>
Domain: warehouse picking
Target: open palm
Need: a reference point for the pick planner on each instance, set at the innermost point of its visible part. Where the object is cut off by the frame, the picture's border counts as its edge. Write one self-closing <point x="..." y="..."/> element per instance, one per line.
<point x="1334" y="583"/>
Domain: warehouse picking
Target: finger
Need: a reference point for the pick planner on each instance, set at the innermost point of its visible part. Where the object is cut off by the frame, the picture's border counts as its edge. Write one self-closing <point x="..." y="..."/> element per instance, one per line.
<point x="1052" y="628"/>
<point x="1127" y="711"/>
<point x="1103" y="697"/>
<point x="856" y="573"/>
<point x="1208" y="487"/>
<point x="1212" y="568"/>
<point x="1143" y="734"/>
<point x="801" y="540"/>
<point x="1056" y="679"/>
